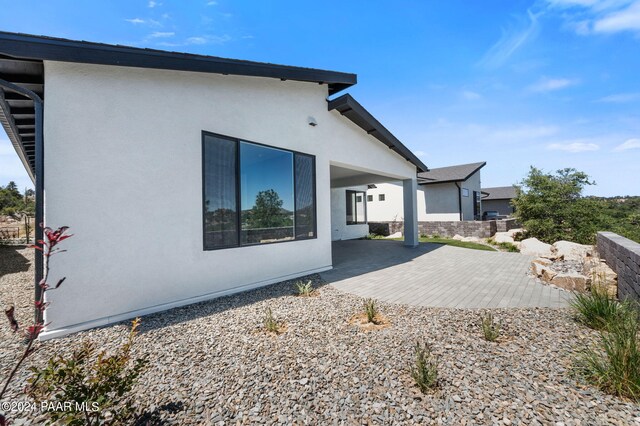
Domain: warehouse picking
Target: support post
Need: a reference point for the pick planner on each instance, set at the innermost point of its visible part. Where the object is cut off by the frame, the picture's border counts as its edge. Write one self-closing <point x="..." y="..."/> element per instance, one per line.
<point x="410" y="198"/>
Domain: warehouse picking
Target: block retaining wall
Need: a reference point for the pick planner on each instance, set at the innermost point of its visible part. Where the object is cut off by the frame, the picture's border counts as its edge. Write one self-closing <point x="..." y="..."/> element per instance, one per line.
<point x="623" y="256"/>
<point x="480" y="229"/>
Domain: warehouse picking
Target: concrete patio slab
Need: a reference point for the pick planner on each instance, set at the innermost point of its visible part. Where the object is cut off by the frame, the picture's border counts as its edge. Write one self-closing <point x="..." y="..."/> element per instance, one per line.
<point x="438" y="276"/>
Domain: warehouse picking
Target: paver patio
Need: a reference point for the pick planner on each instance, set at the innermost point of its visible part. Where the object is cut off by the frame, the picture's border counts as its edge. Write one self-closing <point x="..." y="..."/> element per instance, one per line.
<point x="438" y="276"/>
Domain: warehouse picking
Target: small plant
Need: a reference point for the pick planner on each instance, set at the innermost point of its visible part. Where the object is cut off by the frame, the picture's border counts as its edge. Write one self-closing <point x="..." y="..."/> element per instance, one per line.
<point x="304" y="289"/>
<point x="615" y="366"/>
<point x="93" y="383"/>
<point x="371" y="310"/>
<point x="425" y="368"/>
<point x="270" y="322"/>
<point x="597" y="309"/>
<point x="490" y="328"/>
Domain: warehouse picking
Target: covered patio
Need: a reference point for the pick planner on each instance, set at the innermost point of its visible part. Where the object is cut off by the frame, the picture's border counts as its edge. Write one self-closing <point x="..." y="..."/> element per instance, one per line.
<point x="435" y="275"/>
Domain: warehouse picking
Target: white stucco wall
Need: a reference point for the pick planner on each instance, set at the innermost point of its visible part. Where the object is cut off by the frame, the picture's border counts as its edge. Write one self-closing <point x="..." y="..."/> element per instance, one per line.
<point x="123" y="170"/>
<point x="339" y="228"/>
<point x="436" y="202"/>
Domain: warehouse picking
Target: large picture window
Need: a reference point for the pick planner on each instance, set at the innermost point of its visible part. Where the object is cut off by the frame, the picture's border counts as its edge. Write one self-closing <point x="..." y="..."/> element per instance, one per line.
<point x="256" y="194"/>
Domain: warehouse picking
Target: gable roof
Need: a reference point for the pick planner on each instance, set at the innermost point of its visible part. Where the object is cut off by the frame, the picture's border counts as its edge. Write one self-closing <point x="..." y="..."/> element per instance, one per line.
<point x="21" y="63"/>
<point x="500" y="193"/>
<point x="457" y="173"/>
<point x="351" y="109"/>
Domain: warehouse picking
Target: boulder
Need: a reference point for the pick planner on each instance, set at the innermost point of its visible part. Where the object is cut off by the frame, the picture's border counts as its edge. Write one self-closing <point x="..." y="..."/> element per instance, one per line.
<point x="602" y="275"/>
<point x="571" y="251"/>
<point x="503" y="237"/>
<point x="458" y="237"/>
<point x="535" y="247"/>
<point x="542" y="261"/>
<point x="537" y="269"/>
<point x="571" y="281"/>
<point x="471" y="239"/>
<point x="548" y="274"/>
<point x="512" y="232"/>
<point x="395" y="235"/>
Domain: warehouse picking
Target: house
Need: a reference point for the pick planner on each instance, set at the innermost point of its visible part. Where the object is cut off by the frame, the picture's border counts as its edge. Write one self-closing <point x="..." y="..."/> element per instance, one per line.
<point x="499" y="199"/>
<point x="186" y="177"/>
<point x="444" y="194"/>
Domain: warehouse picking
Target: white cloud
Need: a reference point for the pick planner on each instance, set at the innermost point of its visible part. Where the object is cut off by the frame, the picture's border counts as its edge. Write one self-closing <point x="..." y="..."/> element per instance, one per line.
<point x="153" y="4"/>
<point x="623" y="20"/>
<point x="212" y="3"/>
<point x="420" y="154"/>
<point x="620" y="98"/>
<point x="209" y="39"/>
<point x="470" y="96"/>
<point x="551" y="84"/>
<point x="160" y="34"/>
<point x="512" y="40"/>
<point x="136" y="21"/>
<point x="598" y="16"/>
<point x="628" y="144"/>
<point x="573" y="146"/>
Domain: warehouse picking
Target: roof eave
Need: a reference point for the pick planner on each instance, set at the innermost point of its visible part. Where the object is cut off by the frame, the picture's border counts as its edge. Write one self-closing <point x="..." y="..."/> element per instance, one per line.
<point x="55" y="49"/>
<point x="346" y="105"/>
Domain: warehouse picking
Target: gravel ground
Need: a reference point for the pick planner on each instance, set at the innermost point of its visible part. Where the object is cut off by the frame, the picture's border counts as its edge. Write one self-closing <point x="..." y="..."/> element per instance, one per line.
<point x="211" y="364"/>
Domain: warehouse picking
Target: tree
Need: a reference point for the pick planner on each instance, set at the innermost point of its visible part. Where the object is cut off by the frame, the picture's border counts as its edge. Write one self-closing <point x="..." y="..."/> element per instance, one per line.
<point x="551" y="206"/>
<point x="267" y="212"/>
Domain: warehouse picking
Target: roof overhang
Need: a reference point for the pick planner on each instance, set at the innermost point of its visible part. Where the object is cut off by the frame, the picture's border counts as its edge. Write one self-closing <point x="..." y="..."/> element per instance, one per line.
<point x="350" y="108"/>
<point x="56" y="49"/>
<point x="430" y="181"/>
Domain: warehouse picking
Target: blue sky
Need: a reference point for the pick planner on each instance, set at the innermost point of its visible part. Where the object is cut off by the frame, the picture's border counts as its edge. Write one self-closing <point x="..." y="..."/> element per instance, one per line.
<point x="549" y="83"/>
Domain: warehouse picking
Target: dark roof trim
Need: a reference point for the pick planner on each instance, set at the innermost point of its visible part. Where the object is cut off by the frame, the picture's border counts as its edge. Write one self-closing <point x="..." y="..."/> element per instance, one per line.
<point x="28" y="46"/>
<point x="430" y="181"/>
<point x="355" y="112"/>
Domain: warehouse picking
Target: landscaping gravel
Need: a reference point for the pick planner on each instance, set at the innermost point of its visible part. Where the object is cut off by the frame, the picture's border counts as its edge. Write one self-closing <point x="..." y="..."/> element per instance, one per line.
<point x="212" y="364"/>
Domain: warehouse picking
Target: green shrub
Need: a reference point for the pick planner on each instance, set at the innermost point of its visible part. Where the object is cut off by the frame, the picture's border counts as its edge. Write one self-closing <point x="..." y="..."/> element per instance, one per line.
<point x="510" y="247"/>
<point x="615" y="365"/>
<point x="490" y="329"/>
<point x="304" y="289"/>
<point x="270" y="322"/>
<point x="371" y="310"/>
<point x="425" y="368"/>
<point x="95" y="383"/>
<point x="597" y="309"/>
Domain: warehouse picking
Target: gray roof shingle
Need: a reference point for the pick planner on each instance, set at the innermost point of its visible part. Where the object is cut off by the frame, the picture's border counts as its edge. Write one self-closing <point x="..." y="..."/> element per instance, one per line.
<point x="460" y="172"/>
<point x="500" y="193"/>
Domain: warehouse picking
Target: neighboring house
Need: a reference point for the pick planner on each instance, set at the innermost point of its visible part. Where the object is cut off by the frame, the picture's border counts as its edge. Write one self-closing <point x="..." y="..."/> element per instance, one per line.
<point x="498" y="199"/>
<point x="179" y="173"/>
<point x="444" y="194"/>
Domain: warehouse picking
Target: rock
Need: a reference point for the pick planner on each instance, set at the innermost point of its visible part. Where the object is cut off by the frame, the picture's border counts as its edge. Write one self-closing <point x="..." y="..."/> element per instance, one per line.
<point x="602" y="275"/>
<point x="395" y="235"/>
<point x="535" y="247"/>
<point x="471" y="239"/>
<point x="537" y="269"/>
<point x="571" y="251"/>
<point x="571" y="281"/>
<point x="548" y="274"/>
<point x="542" y="261"/>
<point x="458" y="237"/>
<point x="513" y="232"/>
<point x="503" y="237"/>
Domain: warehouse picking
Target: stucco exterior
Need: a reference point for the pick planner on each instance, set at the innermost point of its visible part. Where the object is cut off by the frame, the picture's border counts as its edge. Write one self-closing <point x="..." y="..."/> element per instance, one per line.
<point x="123" y="169"/>
<point x="437" y="202"/>
<point x="340" y="230"/>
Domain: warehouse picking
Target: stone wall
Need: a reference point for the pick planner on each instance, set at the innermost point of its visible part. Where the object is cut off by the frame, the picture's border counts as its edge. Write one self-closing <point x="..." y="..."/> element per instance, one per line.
<point x="623" y="256"/>
<point x="505" y="225"/>
<point x="467" y="228"/>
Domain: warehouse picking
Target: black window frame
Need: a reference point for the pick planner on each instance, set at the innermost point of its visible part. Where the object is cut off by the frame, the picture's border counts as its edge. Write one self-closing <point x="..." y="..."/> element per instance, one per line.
<point x="369" y="198"/>
<point x="381" y="197"/>
<point x="355" y="214"/>
<point x="239" y="244"/>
